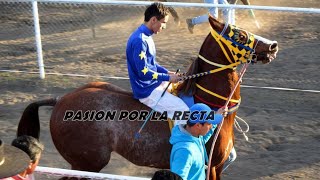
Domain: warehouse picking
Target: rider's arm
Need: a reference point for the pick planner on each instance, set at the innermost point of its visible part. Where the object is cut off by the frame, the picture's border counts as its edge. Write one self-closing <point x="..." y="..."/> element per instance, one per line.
<point x="140" y="61"/>
<point x="161" y="69"/>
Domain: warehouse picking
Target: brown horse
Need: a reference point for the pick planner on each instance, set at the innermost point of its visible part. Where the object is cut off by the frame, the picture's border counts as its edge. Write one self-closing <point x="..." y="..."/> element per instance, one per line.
<point x="87" y="145"/>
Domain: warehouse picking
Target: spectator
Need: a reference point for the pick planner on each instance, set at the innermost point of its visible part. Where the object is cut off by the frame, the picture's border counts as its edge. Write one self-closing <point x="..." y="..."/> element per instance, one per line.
<point x="12" y="160"/>
<point x="33" y="148"/>
<point x="165" y="175"/>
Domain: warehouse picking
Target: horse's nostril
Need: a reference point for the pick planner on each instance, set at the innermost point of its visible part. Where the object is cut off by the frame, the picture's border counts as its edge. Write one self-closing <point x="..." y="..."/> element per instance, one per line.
<point x="273" y="46"/>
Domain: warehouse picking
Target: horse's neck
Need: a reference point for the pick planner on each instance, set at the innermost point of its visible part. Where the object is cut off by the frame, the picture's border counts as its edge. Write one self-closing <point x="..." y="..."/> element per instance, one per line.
<point x="224" y="79"/>
<point x="221" y="83"/>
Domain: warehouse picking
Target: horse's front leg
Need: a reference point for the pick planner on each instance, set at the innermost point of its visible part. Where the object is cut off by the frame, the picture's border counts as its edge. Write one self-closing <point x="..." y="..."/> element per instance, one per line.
<point x="213" y="173"/>
<point x="175" y="15"/>
<point x="218" y="172"/>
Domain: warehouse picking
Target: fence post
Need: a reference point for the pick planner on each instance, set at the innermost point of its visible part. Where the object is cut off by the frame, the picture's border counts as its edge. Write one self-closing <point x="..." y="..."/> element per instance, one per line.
<point x="38" y="38"/>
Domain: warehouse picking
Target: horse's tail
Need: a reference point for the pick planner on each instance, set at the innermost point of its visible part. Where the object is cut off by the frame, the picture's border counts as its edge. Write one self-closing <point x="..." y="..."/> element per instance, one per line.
<point x="29" y="123"/>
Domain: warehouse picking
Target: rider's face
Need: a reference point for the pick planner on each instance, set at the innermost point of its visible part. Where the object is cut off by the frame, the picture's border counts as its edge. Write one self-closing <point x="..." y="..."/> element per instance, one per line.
<point x="158" y="25"/>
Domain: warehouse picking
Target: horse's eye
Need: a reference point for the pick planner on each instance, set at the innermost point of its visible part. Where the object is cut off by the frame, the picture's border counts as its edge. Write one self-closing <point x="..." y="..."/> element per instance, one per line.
<point x="242" y="39"/>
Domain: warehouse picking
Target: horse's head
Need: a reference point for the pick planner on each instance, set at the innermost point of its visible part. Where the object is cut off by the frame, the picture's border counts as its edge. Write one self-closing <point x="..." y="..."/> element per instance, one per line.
<point x="243" y="46"/>
<point x="226" y="47"/>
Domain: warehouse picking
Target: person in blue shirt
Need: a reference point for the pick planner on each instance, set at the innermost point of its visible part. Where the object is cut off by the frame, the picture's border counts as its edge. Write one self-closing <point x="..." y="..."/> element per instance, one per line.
<point x="33" y="148"/>
<point x="188" y="155"/>
<point x="148" y="79"/>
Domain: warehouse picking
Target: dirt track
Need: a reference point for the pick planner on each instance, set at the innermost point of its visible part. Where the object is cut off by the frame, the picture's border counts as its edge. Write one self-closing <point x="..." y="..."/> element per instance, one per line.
<point x="284" y="125"/>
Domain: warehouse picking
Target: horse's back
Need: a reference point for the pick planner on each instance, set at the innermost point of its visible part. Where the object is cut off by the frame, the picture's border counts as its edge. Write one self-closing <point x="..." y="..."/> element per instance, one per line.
<point x="105" y="86"/>
<point x="94" y="97"/>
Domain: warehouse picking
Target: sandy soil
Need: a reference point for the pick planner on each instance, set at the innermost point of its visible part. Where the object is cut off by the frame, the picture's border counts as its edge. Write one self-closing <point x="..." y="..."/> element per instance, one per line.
<point x="284" y="125"/>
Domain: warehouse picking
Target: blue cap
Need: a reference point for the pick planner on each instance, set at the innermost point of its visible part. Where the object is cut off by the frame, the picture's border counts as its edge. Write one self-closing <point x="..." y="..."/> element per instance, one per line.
<point x="199" y="113"/>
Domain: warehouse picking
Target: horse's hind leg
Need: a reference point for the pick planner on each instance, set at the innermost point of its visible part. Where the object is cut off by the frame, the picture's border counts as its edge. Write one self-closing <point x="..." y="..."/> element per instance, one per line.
<point x="92" y="166"/>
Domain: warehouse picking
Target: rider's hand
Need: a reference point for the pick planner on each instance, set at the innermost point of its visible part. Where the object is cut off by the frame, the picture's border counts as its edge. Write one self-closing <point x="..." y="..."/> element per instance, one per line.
<point x="171" y="73"/>
<point x="174" y="78"/>
<point x="223" y="111"/>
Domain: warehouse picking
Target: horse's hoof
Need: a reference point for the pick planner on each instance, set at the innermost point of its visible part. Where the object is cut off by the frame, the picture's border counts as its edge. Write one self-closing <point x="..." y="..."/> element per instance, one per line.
<point x="190" y="25"/>
<point x="177" y="21"/>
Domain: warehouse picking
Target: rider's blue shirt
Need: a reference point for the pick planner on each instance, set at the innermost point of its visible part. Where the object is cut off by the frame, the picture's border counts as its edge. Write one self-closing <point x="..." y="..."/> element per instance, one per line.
<point x="144" y="72"/>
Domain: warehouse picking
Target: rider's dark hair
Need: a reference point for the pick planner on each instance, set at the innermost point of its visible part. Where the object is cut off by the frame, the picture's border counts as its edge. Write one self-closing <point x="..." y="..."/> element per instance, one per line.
<point x="156" y="9"/>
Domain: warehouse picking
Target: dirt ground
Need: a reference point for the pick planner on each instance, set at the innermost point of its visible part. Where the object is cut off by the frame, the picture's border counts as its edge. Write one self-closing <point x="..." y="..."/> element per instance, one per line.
<point x="284" y="136"/>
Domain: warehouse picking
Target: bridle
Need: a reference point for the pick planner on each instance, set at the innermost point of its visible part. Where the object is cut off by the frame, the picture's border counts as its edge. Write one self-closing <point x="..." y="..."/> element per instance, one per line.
<point x="244" y="54"/>
<point x="241" y="53"/>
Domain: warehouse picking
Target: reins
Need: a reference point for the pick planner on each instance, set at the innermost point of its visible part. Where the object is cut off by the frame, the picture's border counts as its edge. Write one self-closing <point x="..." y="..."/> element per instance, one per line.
<point x="210" y="72"/>
<point x="247" y="55"/>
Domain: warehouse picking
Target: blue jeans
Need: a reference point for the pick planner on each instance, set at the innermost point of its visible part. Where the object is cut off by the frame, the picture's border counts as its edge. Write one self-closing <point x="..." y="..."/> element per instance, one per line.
<point x="228" y="15"/>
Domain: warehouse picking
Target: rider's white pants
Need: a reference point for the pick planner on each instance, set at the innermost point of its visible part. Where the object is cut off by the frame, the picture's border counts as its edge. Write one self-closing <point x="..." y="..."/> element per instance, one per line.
<point x="168" y="102"/>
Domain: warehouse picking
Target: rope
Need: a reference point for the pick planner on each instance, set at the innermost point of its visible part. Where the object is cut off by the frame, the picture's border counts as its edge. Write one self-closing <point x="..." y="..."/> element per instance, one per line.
<point x="238" y="127"/>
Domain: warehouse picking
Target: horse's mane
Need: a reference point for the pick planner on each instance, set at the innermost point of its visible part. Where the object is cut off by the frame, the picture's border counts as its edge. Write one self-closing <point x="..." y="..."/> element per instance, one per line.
<point x="188" y="86"/>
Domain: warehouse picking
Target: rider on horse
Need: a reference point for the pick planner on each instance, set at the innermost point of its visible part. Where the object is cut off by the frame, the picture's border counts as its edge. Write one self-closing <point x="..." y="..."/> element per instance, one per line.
<point x="148" y="79"/>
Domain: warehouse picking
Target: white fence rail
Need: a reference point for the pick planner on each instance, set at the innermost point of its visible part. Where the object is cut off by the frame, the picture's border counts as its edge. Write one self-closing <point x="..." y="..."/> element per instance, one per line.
<point x="126" y="78"/>
<point x="83" y="174"/>
<point x="37" y="27"/>
<point x="186" y="5"/>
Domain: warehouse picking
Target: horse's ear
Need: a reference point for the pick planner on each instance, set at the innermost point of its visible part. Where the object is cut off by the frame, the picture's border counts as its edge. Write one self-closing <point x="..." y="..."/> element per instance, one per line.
<point x="215" y="24"/>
